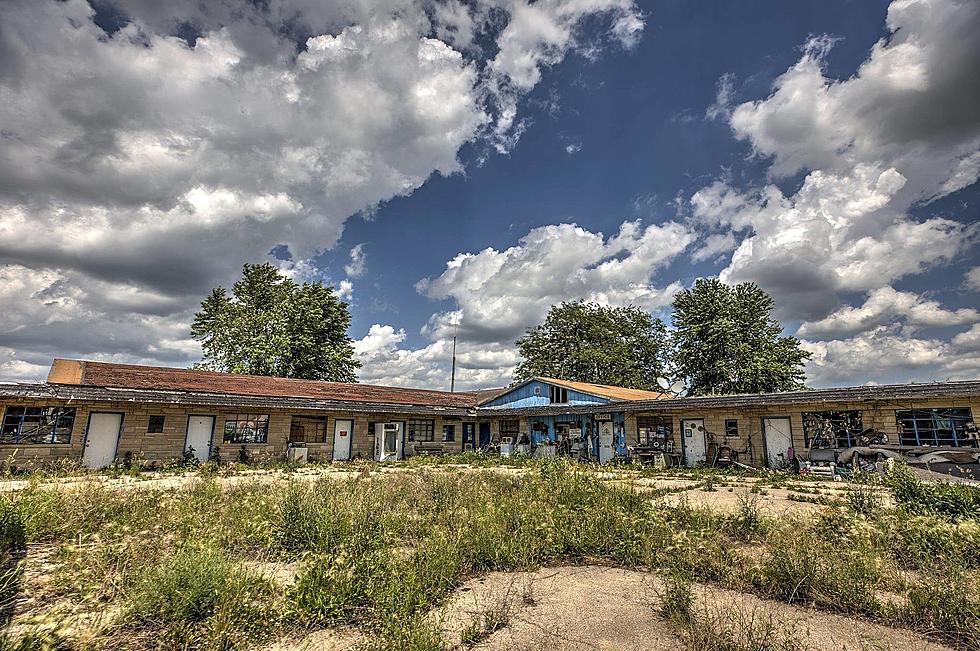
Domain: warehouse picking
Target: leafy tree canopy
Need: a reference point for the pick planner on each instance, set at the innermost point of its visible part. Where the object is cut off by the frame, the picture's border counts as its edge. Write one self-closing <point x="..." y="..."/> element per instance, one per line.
<point x="588" y="342"/>
<point x="271" y="325"/>
<point x="726" y="342"/>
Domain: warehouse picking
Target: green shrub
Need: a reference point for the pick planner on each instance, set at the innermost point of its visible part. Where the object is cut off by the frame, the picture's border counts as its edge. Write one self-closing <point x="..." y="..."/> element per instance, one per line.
<point x="952" y="500"/>
<point x="203" y="598"/>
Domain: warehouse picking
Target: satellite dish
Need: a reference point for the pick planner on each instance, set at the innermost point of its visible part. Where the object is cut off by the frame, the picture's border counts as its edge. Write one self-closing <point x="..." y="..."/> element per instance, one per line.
<point x="677" y="387"/>
<point x="663" y="382"/>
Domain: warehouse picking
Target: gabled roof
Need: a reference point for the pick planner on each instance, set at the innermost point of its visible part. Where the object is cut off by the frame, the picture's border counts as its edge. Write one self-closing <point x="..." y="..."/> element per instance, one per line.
<point x="129" y="376"/>
<point x="607" y="391"/>
<point x="600" y="390"/>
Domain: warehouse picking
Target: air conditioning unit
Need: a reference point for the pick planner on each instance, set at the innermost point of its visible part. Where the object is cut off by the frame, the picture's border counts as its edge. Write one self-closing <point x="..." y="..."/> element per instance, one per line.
<point x="298" y="454"/>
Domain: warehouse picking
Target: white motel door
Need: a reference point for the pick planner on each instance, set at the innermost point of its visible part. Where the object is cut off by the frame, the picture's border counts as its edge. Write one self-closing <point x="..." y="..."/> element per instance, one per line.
<point x="779" y="439"/>
<point x="343" y="432"/>
<point x="388" y="441"/>
<point x="200" y="429"/>
<point x="101" y="440"/>
<point x="606" y="451"/>
<point x="695" y="447"/>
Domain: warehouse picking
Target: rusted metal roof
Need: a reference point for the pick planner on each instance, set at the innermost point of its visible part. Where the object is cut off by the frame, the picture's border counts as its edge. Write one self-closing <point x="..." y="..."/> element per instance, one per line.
<point x="606" y="391"/>
<point x="128" y="376"/>
<point x="77" y="392"/>
<point x="867" y="393"/>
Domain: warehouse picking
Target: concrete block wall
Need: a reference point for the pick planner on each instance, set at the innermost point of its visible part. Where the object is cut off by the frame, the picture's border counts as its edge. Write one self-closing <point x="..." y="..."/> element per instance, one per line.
<point x="168" y="445"/>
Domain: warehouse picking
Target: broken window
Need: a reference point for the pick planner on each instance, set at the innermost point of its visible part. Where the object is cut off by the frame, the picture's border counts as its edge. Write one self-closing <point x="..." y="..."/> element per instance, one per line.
<point x="510" y="427"/>
<point x="651" y="428"/>
<point x="559" y="395"/>
<point x="832" y="429"/>
<point x="247" y="428"/>
<point x="37" y="425"/>
<point x="448" y="432"/>
<point x="308" y="429"/>
<point x="421" y="430"/>
<point x="935" y="426"/>
<point x="155" y="425"/>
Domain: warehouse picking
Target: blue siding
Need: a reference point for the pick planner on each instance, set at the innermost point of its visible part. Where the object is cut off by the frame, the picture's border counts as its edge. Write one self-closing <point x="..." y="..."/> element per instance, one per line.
<point x="585" y="422"/>
<point x="523" y="396"/>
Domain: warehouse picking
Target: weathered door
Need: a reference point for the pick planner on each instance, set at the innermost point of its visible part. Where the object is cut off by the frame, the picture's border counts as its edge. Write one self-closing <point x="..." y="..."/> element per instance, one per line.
<point x="469" y="436"/>
<point x="606" y="451"/>
<point x="101" y="439"/>
<point x="200" y="430"/>
<point x="484" y="434"/>
<point x="695" y="447"/>
<point x="778" y="439"/>
<point x="343" y="432"/>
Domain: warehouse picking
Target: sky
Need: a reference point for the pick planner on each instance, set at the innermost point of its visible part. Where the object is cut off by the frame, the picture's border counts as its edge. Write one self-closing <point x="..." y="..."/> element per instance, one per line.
<point x="459" y="167"/>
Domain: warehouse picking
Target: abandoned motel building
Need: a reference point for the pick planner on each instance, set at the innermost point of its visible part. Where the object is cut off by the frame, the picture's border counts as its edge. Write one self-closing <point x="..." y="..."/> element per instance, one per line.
<point x="101" y="413"/>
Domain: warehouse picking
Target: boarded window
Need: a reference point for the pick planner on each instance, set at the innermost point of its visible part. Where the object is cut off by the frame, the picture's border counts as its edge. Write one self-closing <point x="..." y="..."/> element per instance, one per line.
<point x="421" y="430"/>
<point x="650" y="428"/>
<point x="50" y="425"/>
<point x="832" y="429"/>
<point x="731" y="428"/>
<point x="247" y="428"/>
<point x="936" y="426"/>
<point x="559" y="395"/>
<point x="308" y="429"/>
<point x="155" y="425"/>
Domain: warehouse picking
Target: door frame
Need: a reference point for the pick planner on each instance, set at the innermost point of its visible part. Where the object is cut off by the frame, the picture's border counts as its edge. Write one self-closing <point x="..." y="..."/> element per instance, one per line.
<point x="88" y="425"/>
<point x="704" y="434"/>
<point x="765" y="443"/>
<point x="350" y="442"/>
<point x="187" y="431"/>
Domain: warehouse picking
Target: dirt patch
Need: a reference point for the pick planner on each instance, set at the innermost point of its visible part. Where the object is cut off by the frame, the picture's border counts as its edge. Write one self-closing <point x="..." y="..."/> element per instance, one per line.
<point x="578" y="608"/>
<point x="324" y="640"/>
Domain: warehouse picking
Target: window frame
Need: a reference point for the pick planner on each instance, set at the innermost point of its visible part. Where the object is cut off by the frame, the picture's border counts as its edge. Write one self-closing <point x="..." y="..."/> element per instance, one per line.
<point x="508" y="432"/>
<point x="322" y="423"/>
<point x="449" y="428"/>
<point x="844" y="433"/>
<point x="55" y="414"/>
<point x="427" y="425"/>
<point x="731" y="428"/>
<point x="656" y="427"/>
<point x="556" y="393"/>
<point x="155" y="423"/>
<point x="245" y="417"/>
<point x="925" y="419"/>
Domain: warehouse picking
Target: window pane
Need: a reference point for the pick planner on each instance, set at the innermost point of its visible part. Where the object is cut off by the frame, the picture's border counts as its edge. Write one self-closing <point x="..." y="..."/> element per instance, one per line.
<point x="247" y="428"/>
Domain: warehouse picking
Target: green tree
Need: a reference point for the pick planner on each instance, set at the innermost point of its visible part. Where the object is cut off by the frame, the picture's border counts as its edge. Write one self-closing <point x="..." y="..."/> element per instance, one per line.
<point x="587" y="342"/>
<point x="271" y="325"/>
<point x="726" y="341"/>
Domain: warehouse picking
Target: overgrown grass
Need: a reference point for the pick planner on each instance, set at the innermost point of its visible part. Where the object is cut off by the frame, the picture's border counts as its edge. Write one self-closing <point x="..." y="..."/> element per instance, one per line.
<point x="381" y="550"/>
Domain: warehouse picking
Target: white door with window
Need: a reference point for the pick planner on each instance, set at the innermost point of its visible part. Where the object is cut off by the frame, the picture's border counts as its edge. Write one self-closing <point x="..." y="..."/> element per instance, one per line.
<point x="101" y="440"/>
<point x="343" y="432"/>
<point x="695" y="446"/>
<point x="779" y="439"/>
<point x="200" y="430"/>
<point x="606" y="451"/>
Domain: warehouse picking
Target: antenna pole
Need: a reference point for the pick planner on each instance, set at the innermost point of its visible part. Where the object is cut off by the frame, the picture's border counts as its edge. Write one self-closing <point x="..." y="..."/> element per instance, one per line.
<point x="452" y="377"/>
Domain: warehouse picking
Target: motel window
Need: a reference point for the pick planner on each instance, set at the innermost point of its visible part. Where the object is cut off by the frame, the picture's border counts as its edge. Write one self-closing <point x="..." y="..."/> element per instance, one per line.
<point x="421" y="430"/>
<point x="510" y="427"/>
<point x="650" y="428"/>
<point x="731" y="428"/>
<point x="37" y="425"/>
<point x="308" y="429"/>
<point x="938" y="426"/>
<point x="155" y="425"/>
<point x="559" y="395"/>
<point x="448" y="433"/>
<point x="832" y="429"/>
<point x="247" y="428"/>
